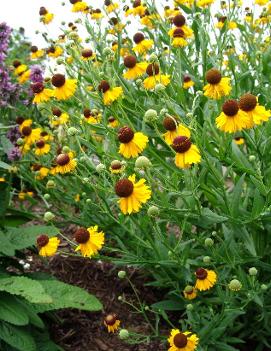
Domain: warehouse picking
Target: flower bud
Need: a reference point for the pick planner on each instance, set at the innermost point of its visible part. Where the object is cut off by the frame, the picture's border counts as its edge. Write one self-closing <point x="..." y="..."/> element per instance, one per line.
<point x="153" y="211"/>
<point x="153" y="58"/>
<point x="50" y="184"/>
<point x="252" y="158"/>
<point x="163" y="112"/>
<point x="46" y="196"/>
<point x="264" y="287"/>
<point x="20" y="141"/>
<point x="124" y="334"/>
<point x="150" y="116"/>
<point x="120" y="298"/>
<point x="189" y="307"/>
<point x="209" y="242"/>
<point x="88" y="201"/>
<point x="206" y="259"/>
<point x="100" y="167"/>
<point x="65" y="149"/>
<point x="107" y="51"/>
<point x="48" y="216"/>
<point x="73" y="131"/>
<point x="142" y="162"/>
<point x="253" y="271"/>
<point x="235" y="285"/>
<point x="121" y="274"/>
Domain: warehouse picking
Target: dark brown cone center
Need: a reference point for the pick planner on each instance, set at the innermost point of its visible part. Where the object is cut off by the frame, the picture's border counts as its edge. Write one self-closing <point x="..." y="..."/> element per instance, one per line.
<point x="42" y="11"/>
<point x="56" y="111"/>
<point x="110" y="319"/>
<point x="82" y="235"/>
<point x="186" y="79"/>
<point x="86" y="53"/>
<point x="19" y="120"/>
<point x="178" y="20"/>
<point x="124" y="188"/>
<point x="130" y="61"/>
<point x="111" y="119"/>
<point x="26" y="131"/>
<point x="103" y="86"/>
<point x="58" y="80"/>
<point x="152" y="69"/>
<point x="42" y="240"/>
<point x="169" y="123"/>
<point x="34" y="49"/>
<point x="138" y="37"/>
<point x="178" y="33"/>
<point x="40" y="143"/>
<point x="201" y="273"/>
<point x="181" y="144"/>
<point x="37" y="87"/>
<point x="125" y="135"/>
<point x="180" y="340"/>
<point x="213" y="76"/>
<point x="62" y="159"/>
<point x="87" y="112"/>
<point x="248" y="102"/>
<point x="230" y="108"/>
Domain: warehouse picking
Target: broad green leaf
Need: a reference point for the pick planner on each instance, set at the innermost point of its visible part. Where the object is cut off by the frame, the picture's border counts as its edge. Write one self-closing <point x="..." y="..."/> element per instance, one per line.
<point x="5" y="165"/>
<point x="17" y="337"/>
<point x="12" y="311"/>
<point x="208" y="218"/>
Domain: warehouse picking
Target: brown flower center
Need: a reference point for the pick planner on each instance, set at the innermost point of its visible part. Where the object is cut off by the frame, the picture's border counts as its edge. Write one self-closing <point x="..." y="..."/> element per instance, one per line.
<point x="213" y="76"/>
<point x="180" y="340"/>
<point x="19" y="120"/>
<point x="124" y="188"/>
<point x="248" y="102"/>
<point x="230" y="107"/>
<point x="107" y="2"/>
<point x="87" y="112"/>
<point x="110" y="319"/>
<point x="138" y="37"/>
<point x="111" y="119"/>
<point x="74" y="1"/>
<point x="82" y="235"/>
<point x="152" y="69"/>
<point x="136" y="3"/>
<point x="42" y="240"/>
<point x="62" y="159"/>
<point x="16" y="63"/>
<point x="178" y="33"/>
<point x="56" y="111"/>
<point x="42" y="11"/>
<point x="34" y="49"/>
<point x="189" y="290"/>
<point x="186" y="79"/>
<point x="51" y="50"/>
<point x="40" y="143"/>
<point x="125" y="135"/>
<point x="129" y="61"/>
<point x="103" y="86"/>
<point x="36" y="167"/>
<point x="58" y="80"/>
<point x="116" y="165"/>
<point x="113" y="21"/>
<point x="181" y="144"/>
<point x="178" y="20"/>
<point x="37" y="87"/>
<point x="201" y="273"/>
<point x="86" y="53"/>
<point x="26" y="131"/>
<point x="169" y="123"/>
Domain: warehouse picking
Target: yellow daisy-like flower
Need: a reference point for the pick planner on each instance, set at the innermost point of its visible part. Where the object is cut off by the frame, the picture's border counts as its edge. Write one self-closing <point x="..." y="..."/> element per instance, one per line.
<point x="154" y="77"/>
<point x="20" y="69"/>
<point x="23" y="123"/>
<point x="79" y="6"/>
<point x="96" y="14"/>
<point x="41" y="94"/>
<point x="190" y="292"/>
<point x="180" y="22"/>
<point x="256" y="113"/>
<point x="132" y="194"/>
<point x="187" y="82"/>
<point x="91" y="117"/>
<point x="47" y="246"/>
<point x="109" y="94"/>
<point x="2" y="180"/>
<point x="179" y="38"/>
<point x="204" y="3"/>
<point x="23" y="195"/>
<point x="135" y="69"/>
<point x="206" y="279"/>
<point x="47" y="18"/>
<point x="132" y="144"/>
<point x="42" y="148"/>
<point x="55" y="51"/>
<point x="116" y="167"/>
<point x="30" y="135"/>
<point x="64" y="88"/>
<point x="232" y="119"/>
<point x="42" y="173"/>
<point x="142" y="45"/>
<point x="24" y="77"/>
<point x="65" y="163"/>
<point x="112" y="323"/>
<point x="217" y="86"/>
<point x="36" y="53"/>
<point x="138" y="9"/>
<point x="112" y="122"/>
<point x="173" y="129"/>
<point x="182" y="341"/>
<point x="59" y="117"/>
<point x="239" y="140"/>
<point x="261" y="2"/>
<point x="88" y="54"/>
<point x="110" y="6"/>
<point x="186" y="152"/>
<point x="90" y="240"/>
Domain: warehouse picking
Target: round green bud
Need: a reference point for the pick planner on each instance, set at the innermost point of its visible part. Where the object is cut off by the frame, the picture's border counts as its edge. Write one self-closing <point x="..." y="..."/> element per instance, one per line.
<point x="170" y="253"/>
<point x="142" y="162"/>
<point x="252" y="158"/>
<point x="84" y="194"/>
<point x="153" y="211"/>
<point x="199" y="93"/>
<point x="150" y="116"/>
<point x="66" y="149"/>
<point x="138" y="82"/>
<point x="124" y="334"/>
<point x="20" y="141"/>
<point x="264" y="287"/>
<point x="46" y="196"/>
<point x="100" y="167"/>
<point x="50" y="184"/>
<point x="153" y="58"/>
<point x="88" y="201"/>
<point x="60" y="61"/>
<point x="214" y="233"/>
<point x="73" y="131"/>
<point x="189" y="307"/>
<point x="108" y="51"/>
<point x="163" y="112"/>
<point x="235" y="285"/>
<point x="206" y="259"/>
<point x="159" y="87"/>
<point x="85" y="180"/>
<point x="121" y="274"/>
<point x="120" y="298"/>
<point x="253" y="271"/>
<point x="209" y="242"/>
<point x="48" y="216"/>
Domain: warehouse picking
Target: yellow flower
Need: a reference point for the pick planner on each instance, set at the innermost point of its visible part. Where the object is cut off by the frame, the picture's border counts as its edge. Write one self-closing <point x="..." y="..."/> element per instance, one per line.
<point x="41" y="94"/>
<point x="90" y="240"/>
<point x="47" y="18"/>
<point x="24" y="76"/>
<point x="55" y="51"/>
<point x="112" y="122"/>
<point x="232" y="119"/>
<point x="116" y="167"/>
<point x="206" y="279"/>
<point x="142" y="45"/>
<point x="109" y="95"/>
<point x="96" y="14"/>
<point x="155" y="77"/>
<point x="30" y="135"/>
<point x="173" y="129"/>
<point x="91" y="117"/>
<point x="88" y="54"/>
<point x="217" y="86"/>
<point x="138" y="10"/>
<point x="132" y="144"/>
<point x="135" y="69"/>
<point x="42" y="148"/>
<point x="111" y="6"/>
<point x="65" y="163"/>
<point x="2" y="180"/>
<point x="24" y="195"/>
<point x="112" y="323"/>
<point x="239" y="140"/>
<point x="64" y="88"/>
<point x="42" y="173"/>
<point x="59" y="117"/>
<point x="190" y="292"/>
<point x="132" y="195"/>
<point x="182" y="341"/>
<point x="204" y="3"/>
<point x="256" y="113"/>
<point x="261" y="2"/>
<point x="79" y="6"/>
<point x="47" y="246"/>
<point x="186" y="152"/>
<point x="36" y="53"/>
<point x="20" y="69"/>
<point x="187" y="82"/>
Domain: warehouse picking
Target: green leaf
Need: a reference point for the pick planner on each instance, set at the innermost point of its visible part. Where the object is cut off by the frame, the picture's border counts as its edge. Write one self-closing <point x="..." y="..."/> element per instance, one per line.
<point x="17" y="337"/>
<point x="5" y="165"/>
<point x="6" y="144"/>
<point x="67" y="296"/>
<point x="208" y="218"/>
<point x="241" y="161"/>
<point x="236" y="196"/>
<point x="169" y="305"/>
<point x="30" y="289"/>
<point x="12" y="311"/>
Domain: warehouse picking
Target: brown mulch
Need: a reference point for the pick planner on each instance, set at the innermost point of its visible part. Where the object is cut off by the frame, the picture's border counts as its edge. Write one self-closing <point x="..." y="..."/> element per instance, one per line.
<point x="79" y="330"/>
